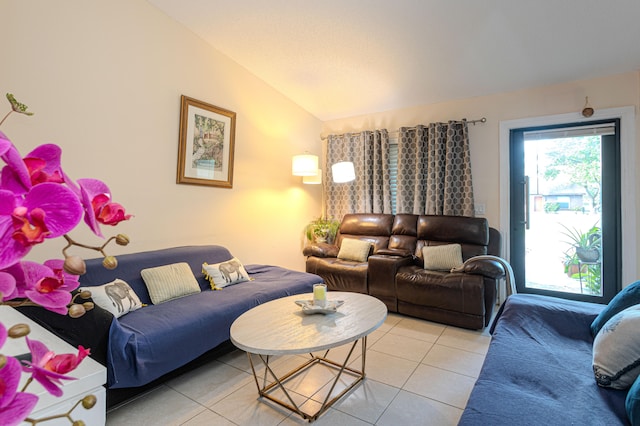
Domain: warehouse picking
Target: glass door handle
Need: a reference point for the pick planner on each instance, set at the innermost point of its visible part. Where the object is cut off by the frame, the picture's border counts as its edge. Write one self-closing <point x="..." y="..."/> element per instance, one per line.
<point x="527" y="207"/>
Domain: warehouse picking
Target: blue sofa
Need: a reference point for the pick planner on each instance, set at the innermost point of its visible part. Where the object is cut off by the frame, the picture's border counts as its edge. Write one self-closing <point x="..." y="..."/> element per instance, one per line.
<point x="145" y="344"/>
<point x="538" y="370"/>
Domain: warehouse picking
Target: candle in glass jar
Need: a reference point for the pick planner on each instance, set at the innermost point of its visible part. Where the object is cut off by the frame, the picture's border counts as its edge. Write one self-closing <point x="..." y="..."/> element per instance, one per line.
<point x="319" y="294"/>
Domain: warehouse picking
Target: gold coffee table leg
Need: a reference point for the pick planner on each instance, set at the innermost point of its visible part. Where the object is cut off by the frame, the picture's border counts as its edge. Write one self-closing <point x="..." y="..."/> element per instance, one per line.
<point x="278" y="382"/>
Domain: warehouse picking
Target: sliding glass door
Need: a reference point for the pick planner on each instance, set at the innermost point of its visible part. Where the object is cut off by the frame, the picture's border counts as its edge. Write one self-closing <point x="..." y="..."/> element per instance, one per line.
<point x="565" y="210"/>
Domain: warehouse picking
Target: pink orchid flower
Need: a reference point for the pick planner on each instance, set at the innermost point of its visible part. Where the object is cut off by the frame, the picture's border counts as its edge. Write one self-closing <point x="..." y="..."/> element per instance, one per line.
<point x="65" y="363"/>
<point x="43" y="164"/>
<point x="48" y="210"/>
<point x="14" y="406"/>
<point x="7" y="286"/>
<point x="15" y="175"/>
<point x="45" y="363"/>
<point x="96" y="198"/>
<point x="48" y="284"/>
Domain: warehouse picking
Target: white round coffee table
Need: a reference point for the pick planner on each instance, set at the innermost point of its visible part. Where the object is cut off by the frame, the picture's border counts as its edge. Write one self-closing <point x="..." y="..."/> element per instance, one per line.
<point x="279" y="327"/>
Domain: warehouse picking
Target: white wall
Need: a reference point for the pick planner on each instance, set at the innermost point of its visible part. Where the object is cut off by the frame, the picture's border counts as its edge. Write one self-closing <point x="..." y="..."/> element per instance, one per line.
<point x="608" y="92"/>
<point x="105" y="79"/>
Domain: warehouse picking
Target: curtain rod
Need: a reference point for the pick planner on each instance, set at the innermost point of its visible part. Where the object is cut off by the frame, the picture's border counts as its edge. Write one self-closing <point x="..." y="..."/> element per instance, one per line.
<point x="464" y="120"/>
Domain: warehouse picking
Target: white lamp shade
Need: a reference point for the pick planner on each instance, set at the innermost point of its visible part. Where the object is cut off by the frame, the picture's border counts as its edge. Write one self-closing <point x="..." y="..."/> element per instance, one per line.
<point x="304" y="165"/>
<point x="313" y="180"/>
<point x="343" y="172"/>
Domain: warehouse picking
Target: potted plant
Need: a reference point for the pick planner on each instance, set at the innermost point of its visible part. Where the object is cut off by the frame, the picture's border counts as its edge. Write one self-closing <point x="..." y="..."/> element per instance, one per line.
<point x="571" y="263"/>
<point x="586" y="244"/>
<point x="322" y="230"/>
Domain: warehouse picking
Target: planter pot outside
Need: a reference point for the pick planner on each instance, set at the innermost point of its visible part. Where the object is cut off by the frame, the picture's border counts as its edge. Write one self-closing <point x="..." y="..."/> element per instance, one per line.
<point x="589" y="255"/>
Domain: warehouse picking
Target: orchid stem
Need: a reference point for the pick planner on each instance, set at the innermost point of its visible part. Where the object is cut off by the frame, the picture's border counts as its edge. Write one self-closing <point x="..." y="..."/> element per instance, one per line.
<point x="29" y="380"/>
<point x="5" y="117"/>
<point x="18" y="303"/>
<point x="74" y="243"/>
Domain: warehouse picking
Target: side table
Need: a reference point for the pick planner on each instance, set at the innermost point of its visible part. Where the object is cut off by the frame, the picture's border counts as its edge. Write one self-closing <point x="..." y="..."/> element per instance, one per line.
<point x="90" y="376"/>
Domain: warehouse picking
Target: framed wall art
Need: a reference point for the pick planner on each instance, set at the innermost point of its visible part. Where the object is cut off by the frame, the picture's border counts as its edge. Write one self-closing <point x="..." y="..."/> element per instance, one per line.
<point x="205" y="148"/>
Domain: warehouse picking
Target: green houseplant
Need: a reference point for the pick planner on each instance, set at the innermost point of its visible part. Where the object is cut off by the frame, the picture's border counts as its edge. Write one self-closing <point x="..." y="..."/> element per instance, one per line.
<point x="586" y="244"/>
<point x="322" y="230"/>
<point x="584" y="248"/>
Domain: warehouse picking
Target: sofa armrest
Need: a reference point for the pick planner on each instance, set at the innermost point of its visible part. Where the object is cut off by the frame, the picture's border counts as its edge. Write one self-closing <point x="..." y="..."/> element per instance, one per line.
<point x="90" y="330"/>
<point x="395" y="252"/>
<point x="381" y="277"/>
<point x="486" y="267"/>
<point x="321" y="250"/>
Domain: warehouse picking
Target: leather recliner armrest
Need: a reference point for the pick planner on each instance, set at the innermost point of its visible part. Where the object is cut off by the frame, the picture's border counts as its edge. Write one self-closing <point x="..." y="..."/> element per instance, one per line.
<point x="394" y="252"/>
<point x="486" y="267"/>
<point x="321" y="250"/>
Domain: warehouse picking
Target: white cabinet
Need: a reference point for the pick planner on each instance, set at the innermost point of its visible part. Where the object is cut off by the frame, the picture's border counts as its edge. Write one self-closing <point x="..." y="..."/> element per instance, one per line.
<point x="91" y="376"/>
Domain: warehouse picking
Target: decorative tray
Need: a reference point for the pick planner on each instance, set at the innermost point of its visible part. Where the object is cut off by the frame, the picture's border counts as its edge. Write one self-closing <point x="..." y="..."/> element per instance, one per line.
<point x="309" y="308"/>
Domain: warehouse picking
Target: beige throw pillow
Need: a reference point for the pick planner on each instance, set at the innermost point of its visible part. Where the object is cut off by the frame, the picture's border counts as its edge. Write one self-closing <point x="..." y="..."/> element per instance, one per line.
<point x="352" y="249"/>
<point x="442" y="258"/>
<point x="169" y="282"/>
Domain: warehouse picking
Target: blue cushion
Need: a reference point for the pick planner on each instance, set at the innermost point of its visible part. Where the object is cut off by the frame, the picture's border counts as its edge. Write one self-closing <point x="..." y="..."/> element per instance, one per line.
<point x="629" y="296"/>
<point x="632" y="403"/>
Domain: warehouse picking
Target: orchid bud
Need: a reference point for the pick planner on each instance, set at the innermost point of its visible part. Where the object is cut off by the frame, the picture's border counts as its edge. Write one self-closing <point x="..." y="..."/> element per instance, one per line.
<point x="110" y="262"/>
<point x="122" y="239"/>
<point x="3" y="361"/>
<point x="89" y="401"/>
<point x="75" y="265"/>
<point x="76" y="311"/>
<point x="19" y="330"/>
<point x="78" y="423"/>
<point x="85" y="294"/>
<point x="88" y="306"/>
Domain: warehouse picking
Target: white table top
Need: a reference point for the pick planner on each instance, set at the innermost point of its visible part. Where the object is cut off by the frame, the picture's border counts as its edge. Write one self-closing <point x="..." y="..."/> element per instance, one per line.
<point x="90" y="374"/>
<point x="279" y="327"/>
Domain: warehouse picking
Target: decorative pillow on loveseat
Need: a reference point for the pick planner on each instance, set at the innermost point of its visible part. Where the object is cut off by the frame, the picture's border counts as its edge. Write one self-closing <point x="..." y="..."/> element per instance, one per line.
<point x="629" y="296"/>
<point x="353" y="249"/>
<point x="116" y="297"/>
<point x="443" y="257"/>
<point x="226" y="273"/>
<point x="169" y="282"/>
<point x="616" y="350"/>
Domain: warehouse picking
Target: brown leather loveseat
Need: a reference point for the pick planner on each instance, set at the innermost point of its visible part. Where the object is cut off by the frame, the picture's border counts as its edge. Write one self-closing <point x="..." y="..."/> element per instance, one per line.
<point x="394" y="269"/>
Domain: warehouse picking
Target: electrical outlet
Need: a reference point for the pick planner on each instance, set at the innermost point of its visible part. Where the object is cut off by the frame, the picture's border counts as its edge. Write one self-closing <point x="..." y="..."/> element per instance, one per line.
<point x="479" y="209"/>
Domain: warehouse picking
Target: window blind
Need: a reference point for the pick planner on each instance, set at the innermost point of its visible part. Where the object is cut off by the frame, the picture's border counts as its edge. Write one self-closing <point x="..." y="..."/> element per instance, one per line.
<point x="573" y="132"/>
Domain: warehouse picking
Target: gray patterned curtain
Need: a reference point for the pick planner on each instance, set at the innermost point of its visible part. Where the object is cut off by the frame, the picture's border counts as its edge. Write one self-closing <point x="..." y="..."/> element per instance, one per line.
<point x="371" y="191"/>
<point x="434" y="170"/>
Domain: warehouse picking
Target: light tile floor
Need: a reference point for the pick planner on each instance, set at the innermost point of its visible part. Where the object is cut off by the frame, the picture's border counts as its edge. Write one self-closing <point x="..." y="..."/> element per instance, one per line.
<point x="418" y="373"/>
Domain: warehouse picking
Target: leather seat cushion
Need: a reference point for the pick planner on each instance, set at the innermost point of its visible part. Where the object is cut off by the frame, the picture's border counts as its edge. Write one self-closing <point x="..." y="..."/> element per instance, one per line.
<point x="443" y="290"/>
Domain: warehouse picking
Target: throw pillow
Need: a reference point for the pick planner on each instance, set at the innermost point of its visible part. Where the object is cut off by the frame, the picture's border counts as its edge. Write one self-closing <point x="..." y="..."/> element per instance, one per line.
<point x="616" y="350"/>
<point x="116" y="297"/>
<point x="226" y="273"/>
<point x="356" y="250"/>
<point x="629" y="296"/>
<point x="443" y="257"/>
<point x="169" y="282"/>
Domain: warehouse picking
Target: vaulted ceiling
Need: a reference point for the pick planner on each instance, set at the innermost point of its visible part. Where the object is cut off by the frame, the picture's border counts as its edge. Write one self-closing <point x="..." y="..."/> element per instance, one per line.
<point x="342" y="58"/>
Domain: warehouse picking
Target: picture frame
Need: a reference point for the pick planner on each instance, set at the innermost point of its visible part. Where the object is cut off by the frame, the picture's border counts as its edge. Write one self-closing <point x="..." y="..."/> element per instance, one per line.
<point x="206" y="144"/>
